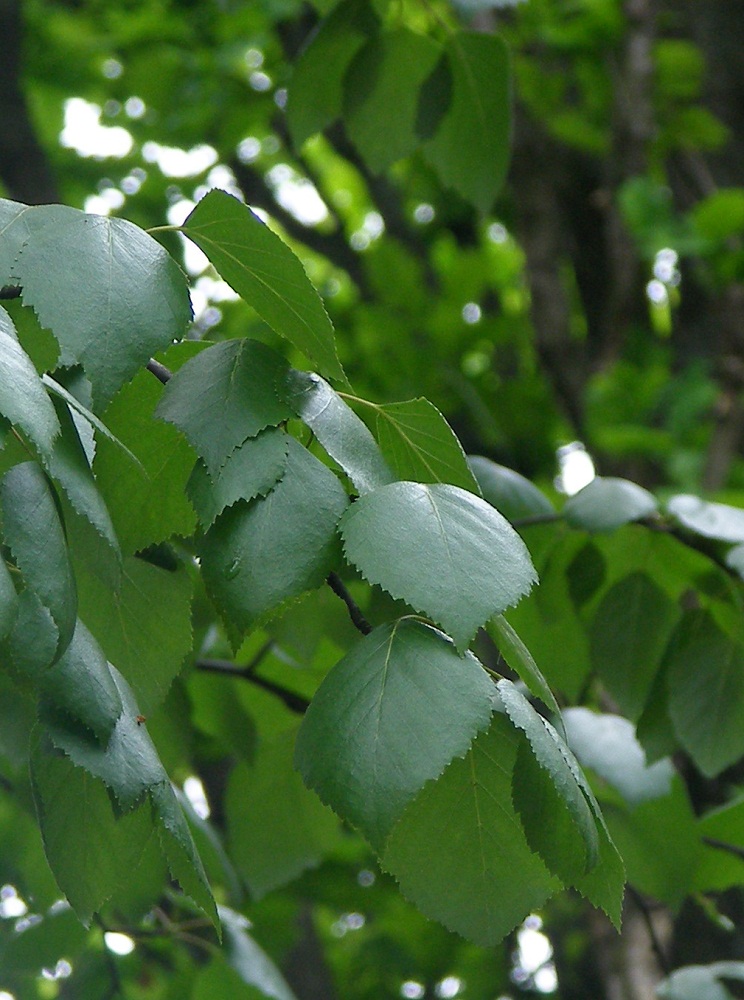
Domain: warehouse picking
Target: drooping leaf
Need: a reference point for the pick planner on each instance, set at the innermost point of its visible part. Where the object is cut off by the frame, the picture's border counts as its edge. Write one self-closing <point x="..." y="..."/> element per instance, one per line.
<point x="470" y="147"/>
<point x="257" y="555"/>
<point x="711" y="520"/>
<point x="266" y="274"/>
<point x="608" y="745"/>
<point x="224" y="395"/>
<point x="22" y="397"/>
<point x="276" y="826"/>
<point x="420" y="445"/>
<point x="607" y="503"/>
<point x="382" y="84"/>
<point x="519" y="658"/>
<point x="249" y="960"/>
<point x="557" y="819"/>
<point x="80" y="684"/>
<point x="446" y="552"/>
<point x="31" y="645"/>
<point x="143" y="624"/>
<point x="68" y="465"/>
<point x="629" y="633"/>
<point x="250" y="471"/>
<point x="34" y="534"/>
<point x="316" y="89"/>
<point x="343" y="435"/>
<point x="510" y="493"/>
<point x="387" y="718"/>
<point x="459" y="852"/>
<point x="705" y="666"/>
<point x="110" y="293"/>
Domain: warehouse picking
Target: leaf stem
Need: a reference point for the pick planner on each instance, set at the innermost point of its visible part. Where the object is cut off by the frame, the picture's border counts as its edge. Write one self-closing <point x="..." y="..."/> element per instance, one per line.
<point x="161" y="373"/>
<point x="358" y="620"/>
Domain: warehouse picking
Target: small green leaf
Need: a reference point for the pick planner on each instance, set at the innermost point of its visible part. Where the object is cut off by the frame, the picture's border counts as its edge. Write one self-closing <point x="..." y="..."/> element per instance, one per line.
<point x="343" y="435"/>
<point x="510" y="493"/>
<point x="382" y="85"/>
<point x="420" y="445"/>
<point x="316" y="88"/>
<point x="459" y="852"/>
<point x="250" y="471"/>
<point x="387" y="718"/>
<point x="260" y="554"/>
<point x="224" y="395"/>
<point x="711" y="520"/>
<point x="557" y="819"/>
<point x="446" y="552"/>
<point x="80" y="683"/>
<point x="521" y="661"/>
<point x="143" y="624"/>
<point x="470" y="147"/>
<point x="34" y="534"/>
<point x="606" y="503"/>
<point x="277" y="827"/>
<point x="135" y="299"/>
<point x="262" y="269"/>
<point x="22" y="397"/>
<point x="629" y="633"/>
<point x="706" y="689"/>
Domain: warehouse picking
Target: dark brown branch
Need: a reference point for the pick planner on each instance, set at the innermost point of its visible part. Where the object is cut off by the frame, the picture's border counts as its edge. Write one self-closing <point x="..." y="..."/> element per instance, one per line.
<point x="357" y="618"/>
<point x="10" y="292"/>
<point x="293" y="701"/>
<point x="160" y="372"/>
<point x="722" y="845"/>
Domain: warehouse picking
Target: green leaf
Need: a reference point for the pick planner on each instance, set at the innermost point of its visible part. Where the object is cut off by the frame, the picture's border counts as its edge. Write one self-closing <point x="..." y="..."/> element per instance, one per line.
<point x="135" y="299"/>
<point x="91" y="847"/>
<point x="719" y="868"/>
<point x="445" y="551"/>
<point x="556" y="817"/>
<point x="8" y="601"/>
<point x="68" y="466"/>
<point x="608" y="745"/>
<point x="277" y="828"/>
<point x="224" y="395"/>
<point x="250" y="961"/>
<point x="387" y="718"/>
<point x="521" y="661"/>
<point x="470" y="147"/>
<point x="262" y="269"/>
<point x="510" y="493"/>
<point x="143" y="624"/>
<point x="606" y="503"/>
<point x="628" y="635"/>
<point x="459" y="852"/>
<point x="343" y="435"/>
<point x="250" y="471"/>
<point x="32" y="642"/>
<point x="316" y="87"/>
<point x="17" y="225"/>
<point x="218" y="979"/>
<point x="420" y="445"/>
<point x="260" y="554"/>
<point x="34" y="534"/>
<point x="711" y="520"/>
<point x="80" y="683"/>
<point x="382" y="85"/>
<point x="22" y="397"/>
<point x="700" y="982"/>
<point x="147" y="496"/>
<point x="706" y="690"/>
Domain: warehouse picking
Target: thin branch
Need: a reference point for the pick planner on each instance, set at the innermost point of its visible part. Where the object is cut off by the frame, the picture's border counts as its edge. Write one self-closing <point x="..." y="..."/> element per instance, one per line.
<point x="293" y="701"/>
<point x="645" y="912"/>
<point x="160" y="372"/>
<point x="357" y="618"/>
<point x="722" y="845"/>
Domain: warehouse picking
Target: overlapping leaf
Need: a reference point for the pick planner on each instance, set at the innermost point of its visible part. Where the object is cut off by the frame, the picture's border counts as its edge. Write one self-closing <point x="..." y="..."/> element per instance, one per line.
<point x="711" y="520"/>
<point x="110" y="293"/>
<point x="607" y="503"/>
<point x="23" y="399"/>
<point x="260" y="554"/>
<point x="521" y="661"/>
<point x="266" y="274"/>
<point x="343" y="435"/>
<point x="446" y="552"/>
<point x="509" y="492"/>
<point x="390" y="716"/>
<point x="224" y="395"/>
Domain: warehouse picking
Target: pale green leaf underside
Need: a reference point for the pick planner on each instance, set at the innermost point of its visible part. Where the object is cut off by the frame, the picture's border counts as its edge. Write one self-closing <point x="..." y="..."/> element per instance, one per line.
<point x="389" y="717"/>
<point x="607" y="503"/>
<point x="446" y="552"/>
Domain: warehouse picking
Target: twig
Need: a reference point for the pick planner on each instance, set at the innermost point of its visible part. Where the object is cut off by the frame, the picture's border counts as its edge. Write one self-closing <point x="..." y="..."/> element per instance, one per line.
<point x="293" y="701"/>
<point x="722" y="845"/>
<point x="645" y="912"/>
<point x="357" y="618"/>
<point x="161" y="373"/>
